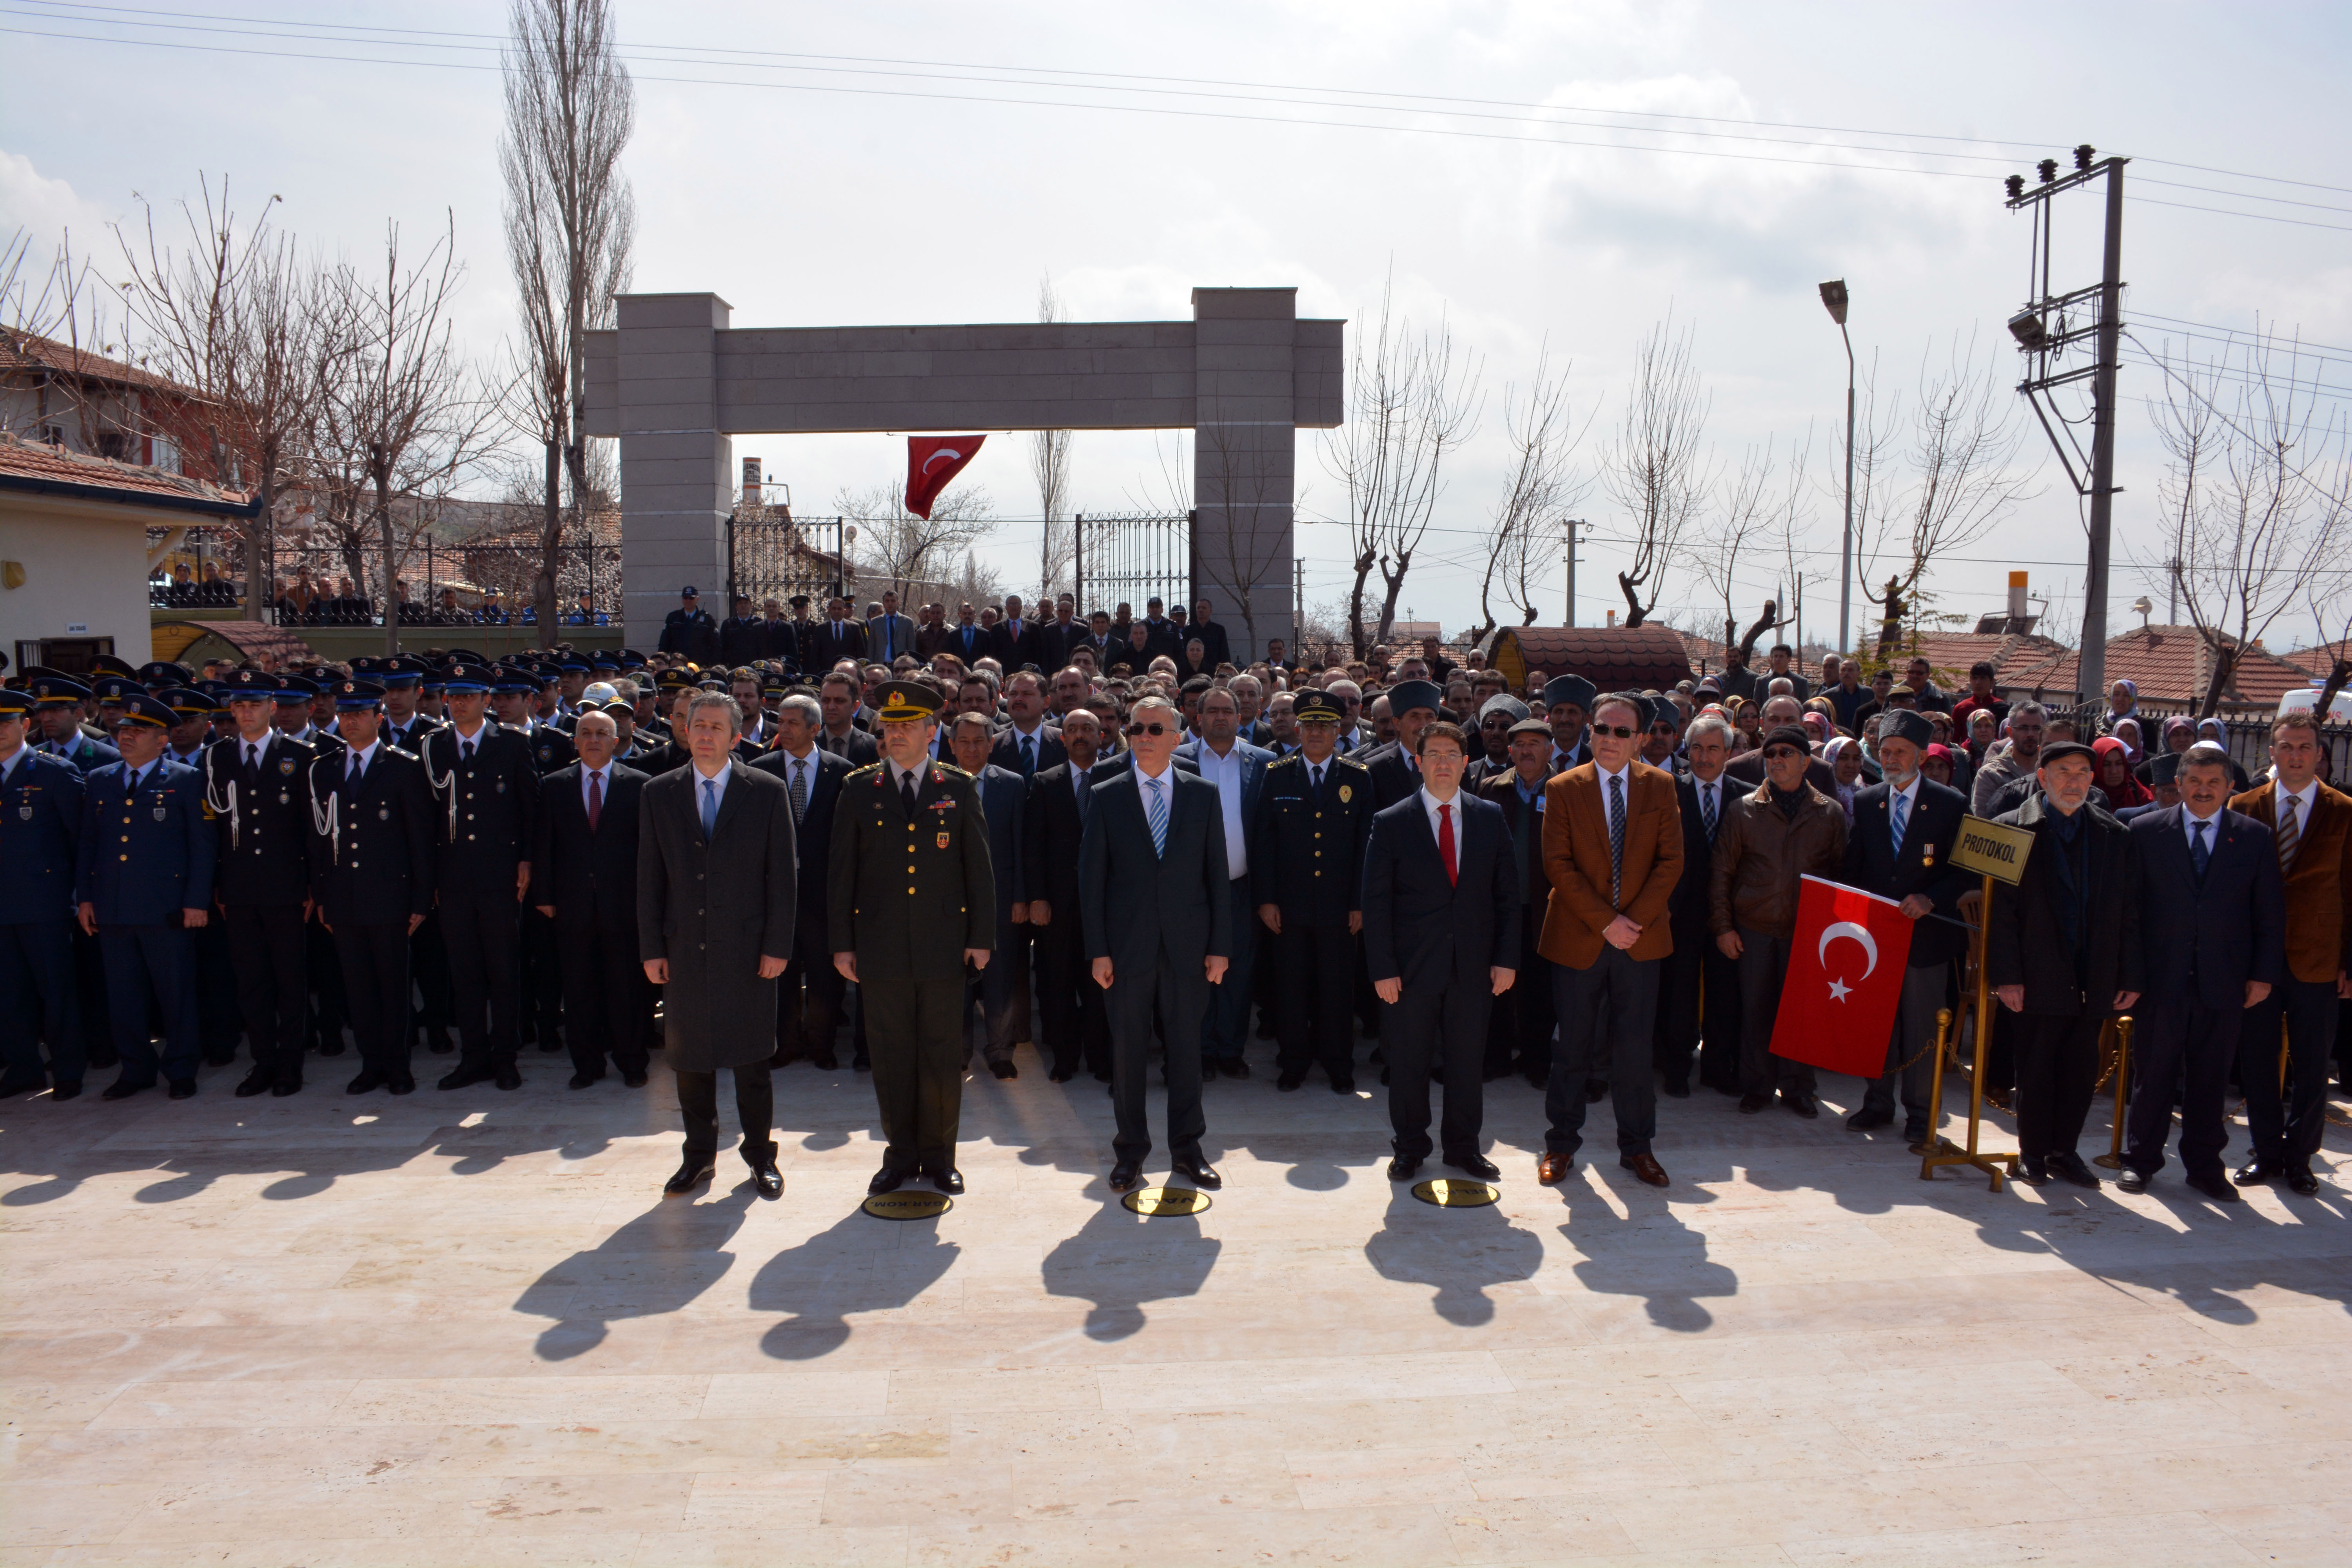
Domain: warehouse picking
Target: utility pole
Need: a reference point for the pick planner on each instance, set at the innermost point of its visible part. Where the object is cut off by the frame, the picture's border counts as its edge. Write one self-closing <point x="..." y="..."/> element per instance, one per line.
<point x="1298" y="602"/>
<point x="2046" y="341"/>
<point x="1575" y="524"/>
<point x="1834" y="296"/>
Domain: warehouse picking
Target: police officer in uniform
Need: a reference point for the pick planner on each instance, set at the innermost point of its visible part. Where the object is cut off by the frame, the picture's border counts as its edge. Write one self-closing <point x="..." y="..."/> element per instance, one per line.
<point x="406" y="724"/>
<point x="217" y="1018"/>
<point x="513" y="689"/>
<point x="484" y="787"/>
<point x="145" y="887"/>
<point x="257" y="785"/>
<point x="58" y="700"/>
<point x="913" y="901"/>
<point x="1313" y="816"/>
<point x="371" y="877"/>
<point x="40" y="831"/>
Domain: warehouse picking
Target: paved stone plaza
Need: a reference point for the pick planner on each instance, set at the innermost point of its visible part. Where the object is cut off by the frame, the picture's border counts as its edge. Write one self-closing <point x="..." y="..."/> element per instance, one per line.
<point x="465" y="1328"/>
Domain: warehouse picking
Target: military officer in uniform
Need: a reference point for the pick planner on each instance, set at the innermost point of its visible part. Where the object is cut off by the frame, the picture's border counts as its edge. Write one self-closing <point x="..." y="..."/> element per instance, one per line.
<point x="40" y="830"/>
<point x="484" y="787"/>
<point x="58" y="700"/>
<point x="257" y="786"/>
<point x="405" y="724"/>
<point x="1313" y="818"/>
<point x="145" y="887"/>
<point x="913" y="901"/>
<point x="371" y="877"/>
<point x="513" y="691"/>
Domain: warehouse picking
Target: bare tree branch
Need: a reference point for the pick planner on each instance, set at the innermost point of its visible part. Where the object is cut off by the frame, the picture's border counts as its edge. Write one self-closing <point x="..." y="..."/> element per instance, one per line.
<point x="1544" y="487"/>
<point x="1654" y="469"/>
<point x="1049" y="465"/>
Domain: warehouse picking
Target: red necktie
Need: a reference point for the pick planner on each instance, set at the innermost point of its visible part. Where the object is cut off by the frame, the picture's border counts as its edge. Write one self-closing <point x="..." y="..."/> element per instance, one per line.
<point x="1446" y="844"/>
<point x="595" y="799"/>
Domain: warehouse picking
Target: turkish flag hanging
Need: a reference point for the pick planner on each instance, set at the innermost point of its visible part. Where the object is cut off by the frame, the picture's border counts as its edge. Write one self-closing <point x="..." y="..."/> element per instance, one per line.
<point x="1845" y="979"/>
<point x="931" y="462"/>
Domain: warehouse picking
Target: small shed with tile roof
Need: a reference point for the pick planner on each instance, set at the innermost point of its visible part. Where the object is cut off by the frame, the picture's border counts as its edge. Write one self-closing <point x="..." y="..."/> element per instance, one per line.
<point x="1648" y="658"/>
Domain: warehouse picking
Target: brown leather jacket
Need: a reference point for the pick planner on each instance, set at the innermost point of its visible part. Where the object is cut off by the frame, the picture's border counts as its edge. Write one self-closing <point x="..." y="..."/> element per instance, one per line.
<point x="1759" y="854"/>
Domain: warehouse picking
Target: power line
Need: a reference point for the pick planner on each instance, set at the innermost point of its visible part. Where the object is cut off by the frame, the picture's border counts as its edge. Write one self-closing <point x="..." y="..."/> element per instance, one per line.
<point x="2257" y="334"/>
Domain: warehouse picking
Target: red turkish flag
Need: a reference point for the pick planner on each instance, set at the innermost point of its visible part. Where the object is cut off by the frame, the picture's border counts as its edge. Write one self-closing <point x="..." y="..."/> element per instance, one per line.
<point x="1845" y="979"/>
<point x="931" y="462"/>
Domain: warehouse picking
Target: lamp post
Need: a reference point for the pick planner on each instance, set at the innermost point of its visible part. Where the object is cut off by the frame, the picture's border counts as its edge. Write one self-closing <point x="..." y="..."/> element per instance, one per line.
<point x="1833" y="295"/>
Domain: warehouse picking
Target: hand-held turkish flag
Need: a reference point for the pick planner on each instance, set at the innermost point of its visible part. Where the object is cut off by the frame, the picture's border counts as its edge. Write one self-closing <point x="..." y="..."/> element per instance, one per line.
<point x="1845" y="979"/>
<point x="931" y="462"/>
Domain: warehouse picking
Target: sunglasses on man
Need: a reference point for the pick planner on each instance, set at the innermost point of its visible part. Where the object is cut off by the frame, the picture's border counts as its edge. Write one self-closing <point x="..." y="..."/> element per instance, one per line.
<point x="1147" y="728"/>
<point x="1780" y="753"/>
<point x="1622" y="732"/>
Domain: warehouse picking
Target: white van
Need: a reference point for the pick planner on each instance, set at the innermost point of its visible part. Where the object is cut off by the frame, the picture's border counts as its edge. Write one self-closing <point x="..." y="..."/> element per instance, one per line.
<point x="2303" y="701"/>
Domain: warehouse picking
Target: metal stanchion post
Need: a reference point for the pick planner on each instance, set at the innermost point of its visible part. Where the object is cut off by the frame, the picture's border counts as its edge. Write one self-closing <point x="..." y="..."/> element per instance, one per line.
<point x="2113" y="1158"/>
<point x="1941" y="1151"/>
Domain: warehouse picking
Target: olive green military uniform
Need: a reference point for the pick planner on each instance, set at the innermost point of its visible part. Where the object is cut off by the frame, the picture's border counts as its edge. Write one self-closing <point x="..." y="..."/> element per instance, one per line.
<point x="908" y="892"/>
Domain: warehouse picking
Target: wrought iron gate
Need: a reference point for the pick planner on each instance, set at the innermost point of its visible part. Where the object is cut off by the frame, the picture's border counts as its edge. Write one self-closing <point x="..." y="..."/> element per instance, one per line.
<point x="1133" y="557"/>
<point x="775" y="557"/>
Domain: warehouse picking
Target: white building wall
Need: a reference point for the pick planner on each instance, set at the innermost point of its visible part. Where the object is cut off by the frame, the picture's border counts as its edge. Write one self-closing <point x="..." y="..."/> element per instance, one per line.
<point x="84" y="566"/>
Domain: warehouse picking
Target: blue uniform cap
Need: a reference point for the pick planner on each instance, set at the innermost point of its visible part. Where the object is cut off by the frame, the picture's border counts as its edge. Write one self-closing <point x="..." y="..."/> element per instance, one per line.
<point x="144" y="709"/>
<point x="186" y="702"/>
<point x="291" y="688"/>
<point x="465" y="678"/>
<point x="630" y="658"/>
<point x="357" y="696"/>
<point x="605" y="663"/>
<point x="57" y="691"/>
<point x="401" y="671"/>
<point x="509" y="681"/>
<point x="574" y="664"/>
<point x="163" y="672"/>
<point x="117" y="689"/>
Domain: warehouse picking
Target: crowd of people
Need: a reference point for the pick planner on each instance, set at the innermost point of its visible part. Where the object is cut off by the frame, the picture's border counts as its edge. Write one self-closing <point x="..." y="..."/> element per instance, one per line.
<point x="1123" y="845"/>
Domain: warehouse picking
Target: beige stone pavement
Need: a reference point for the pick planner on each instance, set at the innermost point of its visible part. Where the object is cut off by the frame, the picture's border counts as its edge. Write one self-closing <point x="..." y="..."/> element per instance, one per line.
<point x="466" y="1329"/>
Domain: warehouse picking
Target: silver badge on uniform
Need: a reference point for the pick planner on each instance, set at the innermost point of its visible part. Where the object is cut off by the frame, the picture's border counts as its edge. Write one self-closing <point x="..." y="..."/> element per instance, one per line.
<point x="383" y="814"/>
<point x="162" y="812"/>
<point x="23" y="814"/>
<point x="285" y="799"/>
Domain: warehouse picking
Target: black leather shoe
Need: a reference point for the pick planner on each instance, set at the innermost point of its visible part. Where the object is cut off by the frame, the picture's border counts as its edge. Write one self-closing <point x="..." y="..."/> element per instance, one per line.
<point x="1403" y="1169"/>
<point x="1595" y="1091"/>
<point x="368" y="1082"/>
<point x="331" y="1048"/>
<point x="66" y="1091"/>
<point x="1869" y="1119"/>
<point x="2130" y="1181"/>
<point x="463" y="1078"/>
<point x="509" y="1077"/>
<point x="886" y="1180"/>
<point x="1344" y="1084"/>
<point x="2217" y="1188"/>
<point x="862" y="1062"/>
<point x="2253" y="1174"/>
<point x="2302" y="1183"/>
<point x="1124" y="1176"/>
<point x="1751" y="1104"/>
<point x="401" y="1083"/>
<point x="690" y="1175"/>
<point x="632" y="1079"/>
<point x="769" y="1181"/>
<point x="1677" y="1089"/>
<point x="1061" y="1075"/>
<point x="286" y="1086"/>
<point x="119" y="1089"/>
<point x="1289" y="1081"/>
<point x="950" y="1181"/>
<point x="183" y="1089"/>
<point x="586" y="1079"/>
<point x="824" y="1062"/>
<point x="1915" y="1133"/>
<point x="1005" y="1069"/>
<point x="1478" y="1166"/>
<point x="439" y="1044"/>
<point x="2033" y="1172"/>
<point x="1200" y="1172"/>
<point x="258" y="1082"/>
<point x="1234" y="1067"/>
<point x="1802" y="1104"/>
<point x="2068" y="1166"/>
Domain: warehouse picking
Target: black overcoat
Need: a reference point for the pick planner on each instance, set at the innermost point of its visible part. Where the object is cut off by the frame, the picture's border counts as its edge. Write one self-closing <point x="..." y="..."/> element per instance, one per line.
<point x="713" y="909"/>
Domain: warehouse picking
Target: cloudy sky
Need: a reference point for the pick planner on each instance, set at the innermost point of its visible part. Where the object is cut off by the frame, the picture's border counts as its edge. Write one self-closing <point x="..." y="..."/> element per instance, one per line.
<point x="1556" y="176"/>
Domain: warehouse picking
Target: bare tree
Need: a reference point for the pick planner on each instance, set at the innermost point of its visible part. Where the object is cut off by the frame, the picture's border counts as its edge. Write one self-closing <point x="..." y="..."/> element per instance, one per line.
<point x="1411" y="406"/>
<point x="570" y="225"/>
<point x="1049" y="464"/>
<point x="1760" y="512"/>
<point x="1654" y="468"/>
<point x="910" y="552"/>
<point x="1544" y="487"/>
<point x="233" y="317"/>
<point x="1957" y="481"/>
<point x="401" y="417"/>
<point x="2257" y="496"/>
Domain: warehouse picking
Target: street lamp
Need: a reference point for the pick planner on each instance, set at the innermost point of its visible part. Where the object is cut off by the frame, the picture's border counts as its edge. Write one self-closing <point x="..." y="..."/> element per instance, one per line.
<point x="1833" y="295"/>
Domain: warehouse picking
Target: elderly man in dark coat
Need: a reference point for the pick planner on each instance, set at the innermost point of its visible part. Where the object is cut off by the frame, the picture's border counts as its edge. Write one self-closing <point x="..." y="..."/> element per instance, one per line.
<point x="716" y="896"/>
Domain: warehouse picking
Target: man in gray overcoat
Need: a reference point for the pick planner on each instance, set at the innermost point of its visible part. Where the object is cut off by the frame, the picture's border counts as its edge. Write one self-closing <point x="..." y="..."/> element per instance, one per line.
<point x="716" y="894"/>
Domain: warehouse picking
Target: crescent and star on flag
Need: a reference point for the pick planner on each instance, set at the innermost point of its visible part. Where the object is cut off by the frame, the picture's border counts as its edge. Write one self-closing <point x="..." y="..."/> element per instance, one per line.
<point x="1849" y="930"/>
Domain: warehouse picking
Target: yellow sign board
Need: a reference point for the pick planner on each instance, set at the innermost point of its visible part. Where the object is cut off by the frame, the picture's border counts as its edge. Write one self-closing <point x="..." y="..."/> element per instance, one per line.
<point x="1149" y="1201"/>
<point x="1992" y="849"/>
<point x="910" y="1204"/>
<point x="1453" y="1192"/>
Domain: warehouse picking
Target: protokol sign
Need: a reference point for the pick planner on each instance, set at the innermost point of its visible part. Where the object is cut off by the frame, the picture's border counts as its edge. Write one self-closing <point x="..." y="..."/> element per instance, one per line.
<point x="1992" y="849"/>
<point x="908" y="1204"/>
<point x="1453" y="1192"/>
<point x="1155" y="1201"/>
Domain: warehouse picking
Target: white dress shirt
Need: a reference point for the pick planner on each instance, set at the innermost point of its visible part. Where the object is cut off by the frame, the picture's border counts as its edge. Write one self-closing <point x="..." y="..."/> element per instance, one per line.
<point x="467" y="743"/>
<point x="2188" y="822"/>
<point x="1711" y="792"/>
<point x="605" y="787"/>
<point x="1225" y="772"/>
<point x="1602" y="775"/>
<point x="726" y="770"/>
<point x="2303" y="801"/>
<point x="363" y="758"/>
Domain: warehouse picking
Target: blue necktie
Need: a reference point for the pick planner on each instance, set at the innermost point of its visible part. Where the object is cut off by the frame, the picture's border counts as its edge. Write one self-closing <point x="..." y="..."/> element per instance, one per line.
<point x="2198" y="850"/>
<point x="1617" y="841"/>
<point x="1159" y="817"/>
<point x="1028" y="756"/>
<point x="709" y="808"/>
<point x="1894" y="821"/>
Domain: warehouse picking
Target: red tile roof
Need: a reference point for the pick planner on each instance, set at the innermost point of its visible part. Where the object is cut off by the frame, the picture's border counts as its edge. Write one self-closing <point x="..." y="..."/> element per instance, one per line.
<point x="35" y="462"/>
<point x="1649" y="656"/>
<point x="28" y="351"/>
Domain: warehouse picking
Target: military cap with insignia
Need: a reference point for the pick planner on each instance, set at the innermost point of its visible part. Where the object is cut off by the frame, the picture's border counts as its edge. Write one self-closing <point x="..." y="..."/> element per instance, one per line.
<point x="1316" y="708"/>
<point x="673" y="680"/>
<point x="357" y="695"/>
<point x="142" y="708"/>
<point x="51" y="689"/>
<point x="13" y="703"/>
<point x="108" y="664"/>
<point x="1569" y="688"/>
<point x="293" y="689"/>
<point x="401" y="670"/>
<point x="163" y="672"/>
<point x="365" y="668"/>
<point x="461" y="680"/>
<point x="467" y="655"/>
<point x="908" y="700"/>
<point x="630" y="658"/>
<point x="117" y="689"/>
<point x="605" y="662"/>
<point x="187" y="702"/>
<point x="572" y="664"/>
<point x="507" y="680"/>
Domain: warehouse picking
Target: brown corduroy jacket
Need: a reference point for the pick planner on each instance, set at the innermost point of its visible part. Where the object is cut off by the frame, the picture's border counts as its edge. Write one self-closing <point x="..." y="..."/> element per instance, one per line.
<point x="1576" y="859"/>
<point x="1760" y="855"/>
<point x="2318" y="923"/>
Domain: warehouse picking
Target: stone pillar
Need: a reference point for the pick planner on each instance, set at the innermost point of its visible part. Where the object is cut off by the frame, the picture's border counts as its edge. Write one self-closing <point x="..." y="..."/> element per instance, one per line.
<point x="1244" y="460"/>
<point x="679" y="483"/>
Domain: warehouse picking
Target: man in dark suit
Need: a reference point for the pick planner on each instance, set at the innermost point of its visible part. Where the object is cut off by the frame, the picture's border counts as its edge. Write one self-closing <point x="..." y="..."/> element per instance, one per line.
<point x="836" y="638"/>
<point x="809" y="998"/>
<point x="890" y="635"/>
<point x="968" y="639"/>
<point x="1072" y="1024"/>
<point x="688" y="629"/>
<point x="1028" y="742"/>
<point x="1441" y="940"/>
<point x="1396" y="766"/>
<point x="40" y="836"/>
<point x="1017" y="642"/>
<point x="930" y="632"/>
<point x="371" y="877"/>
<point x="257" y="783"/>
<point x="716" y="898"/>
<point x="486" y="786"/>
<point x="1900" y="847"/>
<point x="1003" y="988"/>
<point x="1217" y="645"/>
<point x="2213" y="923"/>
<point x="742" y="635"/>
<point x="1156" y="891"/>
<point x="1059" y="636"/>
<point x="1519" y="1030"/>
<point x="2063" y="953"/>
<point x="1238" y="772"/>
<point x="1306" y="862"/>
<point x="585" y="879"/>
<point x="838" y="701"/>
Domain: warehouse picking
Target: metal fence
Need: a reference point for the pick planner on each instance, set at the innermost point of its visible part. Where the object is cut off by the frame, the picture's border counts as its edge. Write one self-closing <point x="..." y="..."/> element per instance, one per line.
<point x="777" y="556"/>
<point x="1133" y="558"/>
<point x="437" y="581"/>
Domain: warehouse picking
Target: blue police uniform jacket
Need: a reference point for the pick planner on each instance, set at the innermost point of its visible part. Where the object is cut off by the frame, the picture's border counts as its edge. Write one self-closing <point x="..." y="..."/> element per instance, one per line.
<point x="40" y="825"/>
<point x="145" y="854"/>
<point x="81" y="753"/>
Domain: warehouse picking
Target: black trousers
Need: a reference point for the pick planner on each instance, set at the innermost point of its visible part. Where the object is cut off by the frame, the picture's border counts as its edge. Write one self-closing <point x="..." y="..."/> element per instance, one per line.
<point x="808" y="997"/>
<point x="1763" y="966"/>
<point x="1608" y="1021"/>
<point x="1437" y="1030"/>
<point x="915" y="1037"/>
<point x="218" y="1015"/>
<point x="163" y="957"/>
<point x="1178" y="989"/>
<point x="1519" y="1027"/>
<point x="1913" y="1041"/>
<point x="2057" y="1059"/>
<point x="89" y="982"/>
<point x="271" y="958"/>
<point x="36" y="966"/>
<point x="601" y="977"/>
<point x="1003" y="990"/>
<point x="542" y="980"/>
<point x="374" y="965"/>
<point x="2285" y="1136"/>
<point x="330" y="1006"/>
<point x="483" y="935"/>
<point x="428" y="960"/>
<point x="1699" y="1009"/>
<point x="1314" y="1004"/>
<point x="755" y="1110"/>
<point x="2183" y="1051"/>
<point x="1075" y="1028"/>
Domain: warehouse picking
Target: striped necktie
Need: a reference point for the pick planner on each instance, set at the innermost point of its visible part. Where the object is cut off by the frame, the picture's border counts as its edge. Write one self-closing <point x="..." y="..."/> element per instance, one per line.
<point x="1895" y="822"/>
<point x="1158" y="814"/>
<point x="1617" y="840"/>
<point x="2290" y="835"/>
